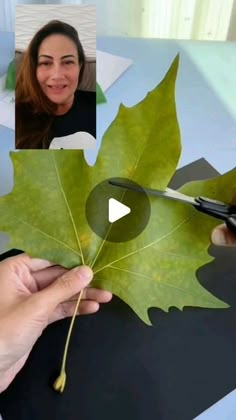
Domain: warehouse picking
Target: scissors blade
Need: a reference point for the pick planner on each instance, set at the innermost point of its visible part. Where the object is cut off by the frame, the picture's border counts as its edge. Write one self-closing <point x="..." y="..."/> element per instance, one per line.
<point x="168" y="193"/>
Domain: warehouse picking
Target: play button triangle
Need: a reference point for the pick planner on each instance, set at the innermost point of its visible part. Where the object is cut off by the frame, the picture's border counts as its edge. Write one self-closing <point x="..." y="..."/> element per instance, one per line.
<point x="117" y="210"/>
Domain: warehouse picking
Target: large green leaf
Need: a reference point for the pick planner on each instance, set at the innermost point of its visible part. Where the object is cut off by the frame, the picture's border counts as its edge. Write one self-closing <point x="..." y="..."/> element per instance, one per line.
<point x="45" y="212"/>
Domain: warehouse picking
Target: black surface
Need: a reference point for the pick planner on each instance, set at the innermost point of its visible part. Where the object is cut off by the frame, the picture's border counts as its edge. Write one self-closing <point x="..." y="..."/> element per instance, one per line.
<point x="121" y="369"/>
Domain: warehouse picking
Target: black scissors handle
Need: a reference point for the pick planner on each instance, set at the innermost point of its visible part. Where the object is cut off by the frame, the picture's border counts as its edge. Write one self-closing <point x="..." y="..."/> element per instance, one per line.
<point x="219" y="210"/>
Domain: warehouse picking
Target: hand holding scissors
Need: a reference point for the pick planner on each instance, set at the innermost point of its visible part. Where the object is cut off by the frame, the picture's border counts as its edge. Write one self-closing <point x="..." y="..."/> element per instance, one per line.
<point x="214" y="208"/>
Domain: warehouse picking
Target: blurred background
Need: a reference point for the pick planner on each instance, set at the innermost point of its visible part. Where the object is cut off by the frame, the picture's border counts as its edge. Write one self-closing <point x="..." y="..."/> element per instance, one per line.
<point x="167" y="19"/>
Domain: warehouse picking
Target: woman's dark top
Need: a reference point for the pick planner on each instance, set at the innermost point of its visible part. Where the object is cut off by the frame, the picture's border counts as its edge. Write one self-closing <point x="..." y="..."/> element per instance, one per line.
<point x="80" y="118"/>
<point x="74" y="130"/>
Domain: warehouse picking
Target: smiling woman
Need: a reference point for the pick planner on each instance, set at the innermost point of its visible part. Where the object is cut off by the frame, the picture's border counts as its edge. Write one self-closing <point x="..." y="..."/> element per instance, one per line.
<point x="51" y="112"/>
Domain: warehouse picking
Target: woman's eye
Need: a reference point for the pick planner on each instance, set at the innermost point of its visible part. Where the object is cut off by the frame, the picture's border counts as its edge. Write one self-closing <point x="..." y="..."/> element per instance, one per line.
<point x="46" y="63"/>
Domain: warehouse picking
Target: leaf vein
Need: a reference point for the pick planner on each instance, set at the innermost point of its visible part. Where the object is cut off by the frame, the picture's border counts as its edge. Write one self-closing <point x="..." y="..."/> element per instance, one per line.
<point x="124" y="291"/>
<point x="45" y="233"/>
<point x="103" y="241"/>
<point x="159" y="282"/>
<point x="146" y="246"/>
<point x="68" y="208"/>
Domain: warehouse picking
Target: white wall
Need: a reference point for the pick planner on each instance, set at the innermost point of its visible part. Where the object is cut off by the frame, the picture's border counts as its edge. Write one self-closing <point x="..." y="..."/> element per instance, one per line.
<point x="232" y="26"/>
<point x="29" y="18"/>
<point x="7" y="15"/>
<point x="177" y="19"/>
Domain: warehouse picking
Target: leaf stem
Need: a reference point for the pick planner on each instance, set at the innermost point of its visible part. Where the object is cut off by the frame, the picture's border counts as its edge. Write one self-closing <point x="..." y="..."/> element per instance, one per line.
<point x="60" y="382"/>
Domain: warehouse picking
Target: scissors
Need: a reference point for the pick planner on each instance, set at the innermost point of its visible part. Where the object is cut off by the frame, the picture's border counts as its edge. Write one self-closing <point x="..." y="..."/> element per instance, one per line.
<point x="214" y="208"/>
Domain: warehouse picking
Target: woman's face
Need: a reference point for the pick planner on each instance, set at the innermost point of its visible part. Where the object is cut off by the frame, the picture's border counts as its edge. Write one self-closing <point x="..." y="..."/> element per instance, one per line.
<point x="58" y="68"/>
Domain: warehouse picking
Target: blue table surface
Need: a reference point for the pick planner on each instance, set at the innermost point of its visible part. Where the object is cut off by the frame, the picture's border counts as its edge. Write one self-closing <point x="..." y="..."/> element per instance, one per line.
<point x="7" y="136"/>
<point x="7" y="50"/>
<point x="205" y="98"/>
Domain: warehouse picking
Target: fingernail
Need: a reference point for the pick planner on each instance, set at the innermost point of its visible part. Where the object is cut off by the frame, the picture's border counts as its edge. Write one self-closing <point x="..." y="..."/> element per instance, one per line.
<point x="218" y="237"/>
<point x="84" y="272"/>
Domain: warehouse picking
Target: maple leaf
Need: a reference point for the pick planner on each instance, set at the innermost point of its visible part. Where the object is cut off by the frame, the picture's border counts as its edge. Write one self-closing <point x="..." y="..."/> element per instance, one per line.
<point x="45" y="212"/>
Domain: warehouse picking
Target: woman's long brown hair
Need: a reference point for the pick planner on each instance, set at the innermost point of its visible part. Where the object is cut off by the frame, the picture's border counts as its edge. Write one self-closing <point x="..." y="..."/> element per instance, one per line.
<point x="34" y="111"/>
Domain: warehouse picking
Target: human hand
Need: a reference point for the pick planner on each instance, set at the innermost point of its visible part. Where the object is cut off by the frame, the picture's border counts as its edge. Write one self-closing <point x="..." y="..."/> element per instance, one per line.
<point x="35" y="293"/>
<point x="221" y="235"/>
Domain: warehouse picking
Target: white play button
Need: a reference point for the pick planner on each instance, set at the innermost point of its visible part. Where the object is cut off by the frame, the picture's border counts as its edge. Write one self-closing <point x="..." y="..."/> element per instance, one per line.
<point x="116" y="215"/>
<point x="117" y="210"/>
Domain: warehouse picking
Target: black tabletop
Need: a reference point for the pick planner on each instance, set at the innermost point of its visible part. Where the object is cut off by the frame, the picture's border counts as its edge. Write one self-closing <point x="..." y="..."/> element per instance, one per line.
<point x="119" y="368"/>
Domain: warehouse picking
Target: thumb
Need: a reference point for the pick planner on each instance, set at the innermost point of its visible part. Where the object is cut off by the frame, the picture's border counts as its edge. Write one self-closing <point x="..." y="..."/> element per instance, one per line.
<point x="67" y="285"/>
<point x="221" y="235"/>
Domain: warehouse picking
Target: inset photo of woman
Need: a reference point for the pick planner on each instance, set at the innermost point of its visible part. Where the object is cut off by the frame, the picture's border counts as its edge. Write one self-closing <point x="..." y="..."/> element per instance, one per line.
<point x="55" y="77"/>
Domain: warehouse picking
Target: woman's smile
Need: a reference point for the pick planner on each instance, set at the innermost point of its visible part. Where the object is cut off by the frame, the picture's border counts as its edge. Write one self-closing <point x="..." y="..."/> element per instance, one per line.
<point x="57" y="89"/>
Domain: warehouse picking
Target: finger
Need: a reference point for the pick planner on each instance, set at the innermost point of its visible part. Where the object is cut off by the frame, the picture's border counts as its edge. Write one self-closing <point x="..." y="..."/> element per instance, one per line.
<point x="99" y="295"/>
<point x="221" y="235"/>
<point x="67" y="309"/>
<point x="66" y="286"/>
<point x="48" y="275"/>
<point x="20" y="267"/>
<point x="33" y="264"/>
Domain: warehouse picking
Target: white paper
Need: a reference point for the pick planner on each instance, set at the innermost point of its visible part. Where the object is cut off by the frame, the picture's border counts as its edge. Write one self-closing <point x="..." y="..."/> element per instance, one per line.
<point x="79" y="140"/>
<point x="222" y="410"/>
<point x="109" y="68"/>
<point x="7" y="108"/>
